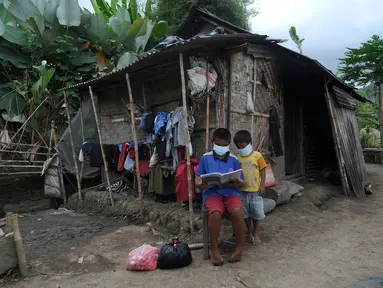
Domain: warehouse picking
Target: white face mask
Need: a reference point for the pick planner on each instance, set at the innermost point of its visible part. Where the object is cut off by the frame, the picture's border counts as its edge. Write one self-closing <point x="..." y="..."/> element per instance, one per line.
<point x="221" y="150"/>
<point x="246" y="151"/>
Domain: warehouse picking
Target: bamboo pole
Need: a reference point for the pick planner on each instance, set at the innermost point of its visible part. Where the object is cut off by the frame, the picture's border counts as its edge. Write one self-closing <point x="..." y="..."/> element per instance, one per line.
<point x="73" y="148"/>
<point x="21" y="161"/>
<point x="82" y="135"/>
<point x="191" y="212"/>
<point x="207" y="108"/>
<point x="19" y="173"/>
<point x="101" y="145"/>
<point x="133" y="123"/>
<point x="254" y="93"/>
<point x="23" y="145"/>
<point x="19" y="166"/>
<point x="23" y="265"/>
<point x="53" y="127"/>
<point x="22" y="152"/>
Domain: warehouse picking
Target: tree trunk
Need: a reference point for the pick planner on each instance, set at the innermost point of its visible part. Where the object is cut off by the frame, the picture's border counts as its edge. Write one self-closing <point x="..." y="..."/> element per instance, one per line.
<point x="381" y="113"/>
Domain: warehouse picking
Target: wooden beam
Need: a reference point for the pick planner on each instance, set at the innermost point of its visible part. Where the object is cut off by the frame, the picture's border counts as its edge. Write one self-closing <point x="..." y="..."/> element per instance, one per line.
<point x="101" y="145"/>
<point x="187" y="152"/>
<point x="256" y="114"/>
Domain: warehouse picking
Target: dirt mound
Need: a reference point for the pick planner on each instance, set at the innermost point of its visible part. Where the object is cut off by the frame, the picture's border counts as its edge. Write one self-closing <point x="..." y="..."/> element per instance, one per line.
<point x="172" y="216"/>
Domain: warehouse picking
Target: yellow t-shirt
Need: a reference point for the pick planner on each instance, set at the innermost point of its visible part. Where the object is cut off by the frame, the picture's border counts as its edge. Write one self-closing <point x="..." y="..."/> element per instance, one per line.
<point x="252" y="165"/>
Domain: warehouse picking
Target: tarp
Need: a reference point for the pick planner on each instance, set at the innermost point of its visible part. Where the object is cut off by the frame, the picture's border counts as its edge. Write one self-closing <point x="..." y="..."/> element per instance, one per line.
<point x="91" y="134"/>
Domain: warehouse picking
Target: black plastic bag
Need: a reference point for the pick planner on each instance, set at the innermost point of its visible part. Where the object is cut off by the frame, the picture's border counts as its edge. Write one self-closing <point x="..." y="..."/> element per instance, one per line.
<point x="174" y="255"/>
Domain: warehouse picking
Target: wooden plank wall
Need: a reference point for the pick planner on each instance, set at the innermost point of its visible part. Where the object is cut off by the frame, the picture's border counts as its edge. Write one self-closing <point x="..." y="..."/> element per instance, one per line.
<point x="350" y="148"/>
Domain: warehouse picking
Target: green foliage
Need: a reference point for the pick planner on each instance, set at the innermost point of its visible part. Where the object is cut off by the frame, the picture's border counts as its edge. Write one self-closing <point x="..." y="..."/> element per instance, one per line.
<point x="237" y="12"/>
<point x="46" y="45"/>
<point x="297" y="40"/>
<point x="363" y="65"/>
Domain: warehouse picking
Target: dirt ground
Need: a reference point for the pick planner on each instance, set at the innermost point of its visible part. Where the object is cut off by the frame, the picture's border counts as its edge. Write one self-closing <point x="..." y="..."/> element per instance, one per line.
<point x="312" y="242"/>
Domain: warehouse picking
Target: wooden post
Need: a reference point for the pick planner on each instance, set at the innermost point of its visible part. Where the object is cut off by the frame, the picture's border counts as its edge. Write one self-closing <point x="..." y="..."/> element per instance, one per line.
<point x="136" y="156"/>
<point x="207" y="107"/>
<point x="101" y="145"/>
<point x="254" y="93"/>
<point x="23" y="265"/>
<point x="187" y="152"/>
<point x="73" y="148"/>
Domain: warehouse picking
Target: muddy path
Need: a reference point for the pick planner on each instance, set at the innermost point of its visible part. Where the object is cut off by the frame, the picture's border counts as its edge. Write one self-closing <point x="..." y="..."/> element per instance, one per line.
<point x="312" y="242"/>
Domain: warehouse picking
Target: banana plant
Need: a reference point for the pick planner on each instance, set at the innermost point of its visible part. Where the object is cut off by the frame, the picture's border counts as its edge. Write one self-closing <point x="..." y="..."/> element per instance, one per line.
<point x="297" y="40"/>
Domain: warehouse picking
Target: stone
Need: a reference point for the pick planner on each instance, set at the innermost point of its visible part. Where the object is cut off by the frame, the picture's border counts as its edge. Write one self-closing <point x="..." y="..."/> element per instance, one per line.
<point x="2" y="233"/>
<point x="271" y="194"/>
<point x="269" y="205"/>
<point x="285" y="190"/>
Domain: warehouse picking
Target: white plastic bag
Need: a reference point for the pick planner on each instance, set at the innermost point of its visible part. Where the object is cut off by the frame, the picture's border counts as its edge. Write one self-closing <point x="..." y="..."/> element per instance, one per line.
<point x="250" y="104"/>
<point x="197" y="76"/>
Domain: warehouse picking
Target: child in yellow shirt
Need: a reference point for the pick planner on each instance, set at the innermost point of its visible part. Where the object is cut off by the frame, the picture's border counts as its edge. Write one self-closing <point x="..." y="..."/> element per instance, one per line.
<point x="253" y="166"/>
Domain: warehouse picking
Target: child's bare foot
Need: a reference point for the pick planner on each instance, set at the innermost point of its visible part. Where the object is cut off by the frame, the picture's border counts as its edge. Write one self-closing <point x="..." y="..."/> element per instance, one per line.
<point x="257" y="241"/>
<point x="216" y="258"/>
<point x="236" y="256"/>
<point x="250" y="239"/>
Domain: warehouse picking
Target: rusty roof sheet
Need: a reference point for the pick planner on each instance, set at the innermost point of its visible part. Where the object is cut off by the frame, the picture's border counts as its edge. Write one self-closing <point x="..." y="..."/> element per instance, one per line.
<point x="200" y="43"/>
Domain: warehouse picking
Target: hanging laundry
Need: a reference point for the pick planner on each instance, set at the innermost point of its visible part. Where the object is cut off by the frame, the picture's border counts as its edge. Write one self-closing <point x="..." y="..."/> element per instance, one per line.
<point x="144" y="168"/>
<point x="148" y="123"/>
<point x="95" y="154"/>
<point x="122" y="157"/>
<point x="112" y="156"/>
<point x="156" y="180"/>
<point x="169" y="134"/>
<point x="86" y="147"/>
<point x="143" y="119"/>
<point x="160" y="123"/>
<point x="129" y="164"/>
<point x="161" y="150"/>
<point x="182" y="190"/>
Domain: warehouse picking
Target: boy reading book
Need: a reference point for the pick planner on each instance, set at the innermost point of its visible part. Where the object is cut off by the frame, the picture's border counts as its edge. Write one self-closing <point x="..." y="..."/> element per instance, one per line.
<point x="219" y="199"/>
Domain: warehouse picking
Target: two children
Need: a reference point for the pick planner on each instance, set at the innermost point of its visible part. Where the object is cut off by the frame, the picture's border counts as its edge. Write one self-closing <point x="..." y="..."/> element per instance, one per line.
<point x="247" y="204"/>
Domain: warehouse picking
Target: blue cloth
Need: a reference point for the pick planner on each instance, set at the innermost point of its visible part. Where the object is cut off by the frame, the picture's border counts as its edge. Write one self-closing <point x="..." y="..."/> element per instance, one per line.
<point x="160" y="123"/>
<point x="131" y="145"/>
<point x="210" y="164"/>
<point x="143" y="118"/>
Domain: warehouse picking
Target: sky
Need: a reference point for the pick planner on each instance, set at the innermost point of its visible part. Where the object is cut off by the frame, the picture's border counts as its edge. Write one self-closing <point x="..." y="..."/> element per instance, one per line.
<point x="328" y="26"/>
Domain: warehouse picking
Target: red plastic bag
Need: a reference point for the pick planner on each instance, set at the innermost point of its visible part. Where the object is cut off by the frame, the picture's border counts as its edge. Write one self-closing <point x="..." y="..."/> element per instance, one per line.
<point x="144" y="258"/>
<point x="270" y="179"/>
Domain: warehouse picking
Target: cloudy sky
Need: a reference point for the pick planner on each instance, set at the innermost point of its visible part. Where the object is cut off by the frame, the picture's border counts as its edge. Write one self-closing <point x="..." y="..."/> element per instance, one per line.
<point x="327" y="25"/>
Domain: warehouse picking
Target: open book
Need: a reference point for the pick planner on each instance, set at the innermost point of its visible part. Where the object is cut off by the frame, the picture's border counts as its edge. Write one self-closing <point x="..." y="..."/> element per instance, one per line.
<point x="218" y="179"/>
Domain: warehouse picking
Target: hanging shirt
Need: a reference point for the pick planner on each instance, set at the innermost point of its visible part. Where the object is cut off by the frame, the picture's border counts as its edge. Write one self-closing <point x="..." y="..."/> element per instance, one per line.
<point x="210" y="163"/>
<point x="160" y="123"/>
<point x="182" y="189"/>
<point x="274" y="125"/>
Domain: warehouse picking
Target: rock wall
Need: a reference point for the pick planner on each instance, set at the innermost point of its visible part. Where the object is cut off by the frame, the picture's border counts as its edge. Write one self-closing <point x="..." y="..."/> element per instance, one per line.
<point x="373" y="156"/>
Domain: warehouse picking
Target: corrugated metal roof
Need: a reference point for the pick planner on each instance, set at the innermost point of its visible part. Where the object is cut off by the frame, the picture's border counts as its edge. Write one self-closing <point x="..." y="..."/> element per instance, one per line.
<point x="204" y="12"/>
<point x="197" y="43"/>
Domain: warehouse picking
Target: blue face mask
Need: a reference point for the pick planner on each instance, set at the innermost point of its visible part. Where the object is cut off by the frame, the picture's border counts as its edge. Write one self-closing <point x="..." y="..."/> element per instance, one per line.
<point x="245" y="151"/>
<point x="221" y="150"/>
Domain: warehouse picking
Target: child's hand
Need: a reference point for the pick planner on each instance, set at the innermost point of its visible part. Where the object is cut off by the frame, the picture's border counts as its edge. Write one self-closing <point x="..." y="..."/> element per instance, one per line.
<point x="238" y="183"/>
<point x="201" y="184"/>
<point x="262" y="190"/>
